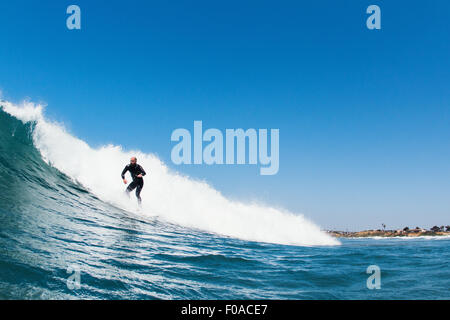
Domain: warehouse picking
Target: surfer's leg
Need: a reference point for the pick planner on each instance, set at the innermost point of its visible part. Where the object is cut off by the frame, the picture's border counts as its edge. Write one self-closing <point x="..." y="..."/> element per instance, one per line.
<point x="130" y="188"/>
<point x="138" y="191"/>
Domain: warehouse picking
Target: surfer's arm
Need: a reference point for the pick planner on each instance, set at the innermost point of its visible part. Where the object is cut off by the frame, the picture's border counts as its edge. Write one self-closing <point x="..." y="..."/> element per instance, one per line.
<point x="123" y="172"/>
<point x="141" y="172"/>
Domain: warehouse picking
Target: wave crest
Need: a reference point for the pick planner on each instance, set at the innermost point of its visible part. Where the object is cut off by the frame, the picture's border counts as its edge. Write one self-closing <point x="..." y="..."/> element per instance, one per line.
<point x="167" y="194"/>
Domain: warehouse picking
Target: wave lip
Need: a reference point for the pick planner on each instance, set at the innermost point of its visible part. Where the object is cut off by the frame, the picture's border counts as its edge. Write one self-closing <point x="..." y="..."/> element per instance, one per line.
<point x="167" y="194"/>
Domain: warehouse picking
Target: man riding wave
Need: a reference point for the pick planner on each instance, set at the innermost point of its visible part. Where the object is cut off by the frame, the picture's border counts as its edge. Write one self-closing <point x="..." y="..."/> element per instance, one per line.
<point x="137" y="173"/>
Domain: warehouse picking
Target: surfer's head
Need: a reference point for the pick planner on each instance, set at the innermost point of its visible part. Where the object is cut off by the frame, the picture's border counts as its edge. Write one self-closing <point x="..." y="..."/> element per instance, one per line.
<point x="133" y="161"/>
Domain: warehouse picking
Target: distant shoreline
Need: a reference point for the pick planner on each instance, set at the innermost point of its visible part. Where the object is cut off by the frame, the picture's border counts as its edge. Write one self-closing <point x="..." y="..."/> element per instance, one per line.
<point x="405" y="232"/>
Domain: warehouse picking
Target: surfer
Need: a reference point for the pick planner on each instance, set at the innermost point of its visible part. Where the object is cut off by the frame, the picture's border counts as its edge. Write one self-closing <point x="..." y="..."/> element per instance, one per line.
<point x="137" y="173"/>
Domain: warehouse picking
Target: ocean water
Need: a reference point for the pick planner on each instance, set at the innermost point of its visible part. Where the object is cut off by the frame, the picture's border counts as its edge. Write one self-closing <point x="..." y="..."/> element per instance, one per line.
<point x="67" y="232"/>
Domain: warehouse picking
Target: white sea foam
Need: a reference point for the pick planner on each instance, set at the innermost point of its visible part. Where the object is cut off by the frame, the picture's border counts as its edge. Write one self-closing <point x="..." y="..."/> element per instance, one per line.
<point x="167" y="194"/>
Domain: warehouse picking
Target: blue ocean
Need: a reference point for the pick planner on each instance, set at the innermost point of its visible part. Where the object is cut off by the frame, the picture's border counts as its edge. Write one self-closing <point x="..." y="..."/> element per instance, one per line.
<point x="67" y="232"/>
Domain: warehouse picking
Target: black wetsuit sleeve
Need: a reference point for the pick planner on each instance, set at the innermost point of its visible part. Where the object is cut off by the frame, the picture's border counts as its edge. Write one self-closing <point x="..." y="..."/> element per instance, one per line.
<point x="124" y="171"/>
<point x="142" y="171"/>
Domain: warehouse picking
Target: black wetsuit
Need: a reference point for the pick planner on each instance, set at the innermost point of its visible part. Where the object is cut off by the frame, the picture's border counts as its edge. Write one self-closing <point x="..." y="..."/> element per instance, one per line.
<point x="137" y="183"/>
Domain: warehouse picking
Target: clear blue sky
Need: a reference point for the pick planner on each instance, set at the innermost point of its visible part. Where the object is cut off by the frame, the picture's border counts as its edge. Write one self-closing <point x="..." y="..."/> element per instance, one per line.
<point x="364" y="116"/>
